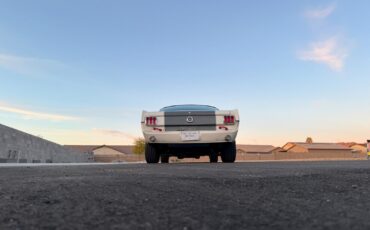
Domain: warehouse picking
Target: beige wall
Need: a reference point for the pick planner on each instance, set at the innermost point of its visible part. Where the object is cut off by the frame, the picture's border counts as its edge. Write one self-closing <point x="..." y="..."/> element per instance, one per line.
<point x="331" y="153"/>
<point x="313" y="154"/>
<point x="302" y="152"/>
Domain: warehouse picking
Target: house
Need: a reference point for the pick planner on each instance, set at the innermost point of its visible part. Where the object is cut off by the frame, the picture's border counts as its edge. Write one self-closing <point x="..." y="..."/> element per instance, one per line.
<point x="256" y="152"/>
<point x="318" y="150"/>
<point x="109" y="153"/>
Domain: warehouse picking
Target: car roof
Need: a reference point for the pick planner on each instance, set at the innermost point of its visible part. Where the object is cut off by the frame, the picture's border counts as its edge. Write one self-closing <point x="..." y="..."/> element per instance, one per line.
<point x="188" y="107"/>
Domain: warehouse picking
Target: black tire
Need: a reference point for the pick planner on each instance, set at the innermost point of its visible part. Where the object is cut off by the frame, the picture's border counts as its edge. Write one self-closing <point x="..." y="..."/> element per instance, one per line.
<point x="165" y="159"/>
<point x="228" y="153"/>
<point x="151" y="155"/>
<point x="213" y="157"/>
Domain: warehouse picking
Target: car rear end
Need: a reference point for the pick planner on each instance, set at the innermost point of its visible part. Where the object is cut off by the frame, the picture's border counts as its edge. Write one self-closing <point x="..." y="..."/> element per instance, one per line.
<point x="191" y="132"/>
<point x="190" y="126"/>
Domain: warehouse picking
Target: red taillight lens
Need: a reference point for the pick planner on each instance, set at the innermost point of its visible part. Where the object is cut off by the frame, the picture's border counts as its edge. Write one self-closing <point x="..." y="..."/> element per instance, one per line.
<point x="151" y="121"/>
<point x="229" y="120"/>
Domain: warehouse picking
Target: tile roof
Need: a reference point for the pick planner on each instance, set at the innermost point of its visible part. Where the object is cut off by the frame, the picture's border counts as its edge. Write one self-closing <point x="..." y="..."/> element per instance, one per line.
<point x="348" y="144"/>
<point x="363" y="145"/>
<point x="326" y="146"/>
<point x="256" y="148"/>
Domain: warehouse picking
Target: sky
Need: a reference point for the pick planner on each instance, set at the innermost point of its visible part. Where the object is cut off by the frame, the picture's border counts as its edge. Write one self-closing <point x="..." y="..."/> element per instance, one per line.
<point x="81" y="72"/>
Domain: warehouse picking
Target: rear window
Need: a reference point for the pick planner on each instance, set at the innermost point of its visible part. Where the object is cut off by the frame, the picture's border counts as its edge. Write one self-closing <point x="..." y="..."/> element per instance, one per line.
<point x="175" y="108"/>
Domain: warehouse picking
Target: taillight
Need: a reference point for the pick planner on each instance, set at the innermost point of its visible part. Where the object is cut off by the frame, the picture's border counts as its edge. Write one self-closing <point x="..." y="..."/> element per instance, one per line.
<point x="151" y="121"/>
<point x="229" y="120"/>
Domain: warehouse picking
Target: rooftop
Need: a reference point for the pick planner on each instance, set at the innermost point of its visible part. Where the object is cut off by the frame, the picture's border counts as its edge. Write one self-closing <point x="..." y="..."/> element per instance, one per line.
<point x="257" y="148"/>
<point x="326" y="146"/>
<point x="89" y="148"/>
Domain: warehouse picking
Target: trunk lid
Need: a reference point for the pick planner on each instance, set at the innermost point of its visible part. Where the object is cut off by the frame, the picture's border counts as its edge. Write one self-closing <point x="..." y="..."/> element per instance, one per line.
<point x="190" y="120"/>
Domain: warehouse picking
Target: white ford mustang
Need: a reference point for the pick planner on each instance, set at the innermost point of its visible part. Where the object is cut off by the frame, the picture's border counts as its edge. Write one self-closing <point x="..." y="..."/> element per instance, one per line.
<point x="190" y="131"/>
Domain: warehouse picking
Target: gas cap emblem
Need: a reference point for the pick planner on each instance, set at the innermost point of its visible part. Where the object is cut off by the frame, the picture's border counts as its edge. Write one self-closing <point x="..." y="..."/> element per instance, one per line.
<point x="189" y="119"/>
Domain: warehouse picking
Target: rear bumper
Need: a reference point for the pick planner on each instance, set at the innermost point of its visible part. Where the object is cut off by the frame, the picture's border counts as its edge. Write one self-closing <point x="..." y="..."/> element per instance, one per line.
<point x="174" y="137"/>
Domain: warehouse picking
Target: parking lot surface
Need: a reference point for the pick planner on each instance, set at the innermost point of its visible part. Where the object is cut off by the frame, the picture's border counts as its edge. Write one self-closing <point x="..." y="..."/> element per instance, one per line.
<point x="269" y="195"/>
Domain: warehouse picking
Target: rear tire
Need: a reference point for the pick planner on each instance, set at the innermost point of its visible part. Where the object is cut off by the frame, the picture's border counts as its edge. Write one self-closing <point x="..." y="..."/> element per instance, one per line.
<point x="165" y="159"/>
<point x="151" y="154"/>
<point x="213" y="157"/>
<point x="228" y="153"/>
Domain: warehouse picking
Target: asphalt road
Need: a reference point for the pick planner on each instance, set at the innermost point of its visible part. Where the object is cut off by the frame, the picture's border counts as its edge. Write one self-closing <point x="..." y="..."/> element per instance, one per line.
<point x="279" y="195"/>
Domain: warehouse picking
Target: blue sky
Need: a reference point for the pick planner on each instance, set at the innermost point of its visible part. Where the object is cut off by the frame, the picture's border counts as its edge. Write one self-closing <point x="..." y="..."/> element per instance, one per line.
<point x="81" y="72"/>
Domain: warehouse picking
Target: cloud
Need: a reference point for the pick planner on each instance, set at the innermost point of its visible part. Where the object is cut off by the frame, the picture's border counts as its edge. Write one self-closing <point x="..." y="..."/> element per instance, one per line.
<point x="114" y="133"/>
<point x="84" y="137"/>
<point x="27" y="114"/>
<point x="327" y="52"/>
<point x="30" y="66"/>
<point x="320" y="13"/>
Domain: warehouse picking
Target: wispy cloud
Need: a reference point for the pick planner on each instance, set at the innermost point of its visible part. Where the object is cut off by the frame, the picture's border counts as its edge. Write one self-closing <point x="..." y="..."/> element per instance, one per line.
<point x="320" y="13"/>
<point x="85" y="137"/>
<point x="27" y="114"/>
<point x="30" y="65"/>
<point x="327" y="52"/>
<point x="114" y="133"/>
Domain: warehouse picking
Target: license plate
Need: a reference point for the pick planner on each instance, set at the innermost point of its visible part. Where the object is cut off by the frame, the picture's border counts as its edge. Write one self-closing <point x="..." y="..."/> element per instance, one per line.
<point x="190" y="135"/>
